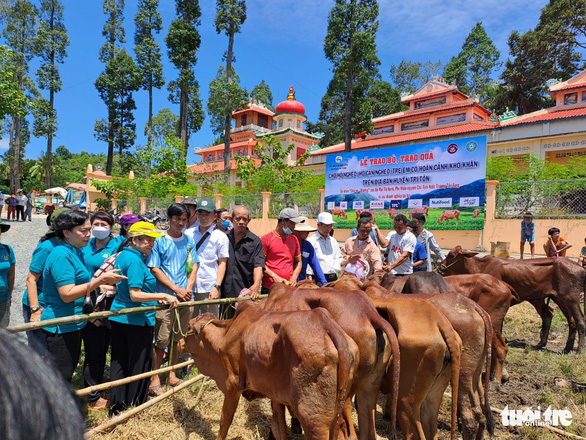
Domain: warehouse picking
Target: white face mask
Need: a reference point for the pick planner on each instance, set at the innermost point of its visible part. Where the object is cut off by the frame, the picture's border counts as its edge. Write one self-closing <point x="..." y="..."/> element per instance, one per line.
<point x="100" y="232"/>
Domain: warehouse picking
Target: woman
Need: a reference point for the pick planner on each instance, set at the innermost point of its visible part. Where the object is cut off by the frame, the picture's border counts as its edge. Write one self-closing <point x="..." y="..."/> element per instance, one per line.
<point x="96" y="334"/>
<point x="132" y="335"/>
<point x="65" y="283"/>
<point x="32" y="300"/>
<point x="125" y="222"/>
<point x="7" y="271"/>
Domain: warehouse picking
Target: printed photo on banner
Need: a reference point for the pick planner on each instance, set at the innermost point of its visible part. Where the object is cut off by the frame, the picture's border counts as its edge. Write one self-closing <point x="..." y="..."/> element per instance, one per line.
<point x="443" y="180"/>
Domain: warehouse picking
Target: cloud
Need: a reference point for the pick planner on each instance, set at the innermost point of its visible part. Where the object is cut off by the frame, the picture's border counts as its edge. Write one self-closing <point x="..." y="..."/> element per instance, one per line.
<point x="4" y="144"/>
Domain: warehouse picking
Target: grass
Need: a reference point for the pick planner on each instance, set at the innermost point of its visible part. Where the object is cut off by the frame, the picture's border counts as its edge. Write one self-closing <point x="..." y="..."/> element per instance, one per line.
<point x="532" y="374"/>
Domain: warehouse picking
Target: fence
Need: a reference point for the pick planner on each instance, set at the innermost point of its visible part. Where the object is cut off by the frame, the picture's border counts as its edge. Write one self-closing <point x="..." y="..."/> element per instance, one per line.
<point x="160" y="204"/>
<point x="306" y="203"/>
<point x="544" y="199"/>
<point x="127" y="206"/>
<point x="252" y="201"/>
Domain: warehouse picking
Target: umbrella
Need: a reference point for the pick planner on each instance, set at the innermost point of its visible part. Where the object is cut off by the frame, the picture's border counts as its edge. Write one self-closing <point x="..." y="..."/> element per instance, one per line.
<point x="58" y="191"/>
<point x="69" y="197"/>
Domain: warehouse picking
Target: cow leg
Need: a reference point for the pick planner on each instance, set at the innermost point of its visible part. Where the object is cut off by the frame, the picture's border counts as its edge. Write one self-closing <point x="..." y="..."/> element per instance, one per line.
<point x="546" y="313"/>
<point x="231" y="400"/>
<point x="278" y="423"/>
<point x="431" y="404"/>
<point x="348" y="422"/>
<point x="573" y="318"/>
<point x="499" y="354"/>
<point x="366" y="407"/>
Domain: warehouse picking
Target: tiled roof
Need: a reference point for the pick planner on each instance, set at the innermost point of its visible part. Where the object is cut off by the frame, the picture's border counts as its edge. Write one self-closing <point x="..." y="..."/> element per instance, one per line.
<point x="436" y="109"/>
<point x="214" y="167"/>
<point x="406" y="137"/>
<point x="550" y="114"/>
<point x="439" y="92"/>
<point x="220" y="147"/>
<point x="254" y="108"/>
<point x="577" y="81"/>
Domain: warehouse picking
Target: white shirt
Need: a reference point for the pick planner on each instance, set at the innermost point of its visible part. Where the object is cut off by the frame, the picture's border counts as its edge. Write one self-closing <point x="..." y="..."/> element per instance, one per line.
<point x="327" y="252"/>
<point x="216" y="246"/>
<point x="399" y="244"/>
<point x="427" y="239"/>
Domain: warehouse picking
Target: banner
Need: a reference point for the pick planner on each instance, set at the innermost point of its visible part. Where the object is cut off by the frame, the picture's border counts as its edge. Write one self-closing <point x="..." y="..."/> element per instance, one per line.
<point x="442" y="180"/>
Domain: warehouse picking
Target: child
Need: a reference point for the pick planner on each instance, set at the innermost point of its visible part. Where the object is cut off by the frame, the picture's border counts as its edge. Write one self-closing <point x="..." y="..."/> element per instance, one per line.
<point x="528" y="233"/>
<point x="556" y="245"/>
<point x="582" y="257"/>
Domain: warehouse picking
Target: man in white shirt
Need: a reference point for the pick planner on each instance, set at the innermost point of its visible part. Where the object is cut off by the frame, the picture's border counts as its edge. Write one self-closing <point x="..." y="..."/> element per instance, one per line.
<point x="427" y="239"/>
<point x="213" y="250"/>
<point x="401" y="243"/>
<point x="326" y="247"/>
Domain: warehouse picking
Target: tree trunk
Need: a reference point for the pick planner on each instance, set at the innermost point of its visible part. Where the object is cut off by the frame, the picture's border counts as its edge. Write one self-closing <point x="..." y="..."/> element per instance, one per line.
<point x="110" y="162"/>
<point x="49" y="155"/>
<point x="228" y="119"/>
<point x="11" y="149"/>
<point x="150" y="128"/>
<point x="348" y="113"/>
<point x="183" y="109"/>
<point x="15" y="169"/>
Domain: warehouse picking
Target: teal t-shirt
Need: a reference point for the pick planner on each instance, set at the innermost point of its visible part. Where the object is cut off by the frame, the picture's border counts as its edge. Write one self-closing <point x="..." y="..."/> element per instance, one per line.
<point x="64" y="266"/>
<point x="94" y="258"/>
<point x="37" y="265"/>
<point x="131" y="265"/>
<point x="7" y="260"/>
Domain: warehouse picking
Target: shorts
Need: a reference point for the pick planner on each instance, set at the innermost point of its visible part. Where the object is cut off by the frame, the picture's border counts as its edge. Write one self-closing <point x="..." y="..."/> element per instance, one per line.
<point x="164" y="320"/>
<point x="527" y="237"/>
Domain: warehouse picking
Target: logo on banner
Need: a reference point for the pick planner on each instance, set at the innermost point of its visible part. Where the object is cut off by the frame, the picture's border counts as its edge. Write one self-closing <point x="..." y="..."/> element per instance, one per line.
<point x="530" y="417"/>
<point x="331" y="205"/>
<point x="379" y="204"/>
<point x="415" y="203"/>
<point x="471" y="146"/>
<point x="358" y="204"/>
<point x="396" y="204"/>
<point x="343" y="205"/>
<point x="440" y="203"/>
<point x="469" y="201"/>
<point x="452" y="148"/>
<point x="338" y="159"/>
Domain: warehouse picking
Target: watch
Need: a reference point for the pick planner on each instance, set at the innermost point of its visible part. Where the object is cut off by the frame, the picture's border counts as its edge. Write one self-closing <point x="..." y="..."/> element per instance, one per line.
<point x="217" y="286"/>
<point x="35" y="309"/>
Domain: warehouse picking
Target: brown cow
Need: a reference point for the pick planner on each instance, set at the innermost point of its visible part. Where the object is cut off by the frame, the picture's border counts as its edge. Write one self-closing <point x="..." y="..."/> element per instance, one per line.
<point x="423" y="210"/>
<point x="354" y="312"/>
<point x="534" y="280"/>
<point x="430" y="358"/>
<point x="448" y="215"/>
<point x="476" y="213"/>
<point x="339" y="212"/>
<point x="473" y="325"/>
<point x="300" y="359"/>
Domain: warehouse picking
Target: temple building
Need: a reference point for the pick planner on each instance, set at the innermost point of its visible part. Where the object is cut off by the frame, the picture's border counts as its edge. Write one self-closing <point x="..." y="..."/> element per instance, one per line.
<point x="252" y="123"/>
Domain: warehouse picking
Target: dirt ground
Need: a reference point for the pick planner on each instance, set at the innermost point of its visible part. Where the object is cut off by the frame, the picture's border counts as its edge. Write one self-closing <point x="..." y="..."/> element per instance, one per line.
<point x="532" y="384"/>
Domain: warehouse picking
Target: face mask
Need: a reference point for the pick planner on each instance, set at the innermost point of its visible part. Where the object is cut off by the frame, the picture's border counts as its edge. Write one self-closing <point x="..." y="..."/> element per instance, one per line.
<point x="100" y="232"/>
<point x="226" y="224"/>
<point x="287" y="231"/>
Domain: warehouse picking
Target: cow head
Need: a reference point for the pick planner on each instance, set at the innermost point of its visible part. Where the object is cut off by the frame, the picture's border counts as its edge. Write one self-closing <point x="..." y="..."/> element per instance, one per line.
<point x="458" y="261"/>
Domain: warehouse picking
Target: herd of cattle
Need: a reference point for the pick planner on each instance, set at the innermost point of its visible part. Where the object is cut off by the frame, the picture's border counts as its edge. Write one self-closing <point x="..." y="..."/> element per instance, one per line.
<point x="314" y="349"/>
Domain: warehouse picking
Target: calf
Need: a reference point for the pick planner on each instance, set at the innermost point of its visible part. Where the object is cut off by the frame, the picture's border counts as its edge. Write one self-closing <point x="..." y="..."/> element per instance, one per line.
<point x="300" y="359"/>
<point x="339" y="213"/>
<point x="476" y="213"/>
<point x="423" y="210"/>
<point x="448" y="215"/>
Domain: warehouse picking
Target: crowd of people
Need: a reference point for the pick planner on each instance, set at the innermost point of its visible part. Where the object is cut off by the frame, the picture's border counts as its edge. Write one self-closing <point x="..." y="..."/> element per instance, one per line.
<point x="80" y="265"/>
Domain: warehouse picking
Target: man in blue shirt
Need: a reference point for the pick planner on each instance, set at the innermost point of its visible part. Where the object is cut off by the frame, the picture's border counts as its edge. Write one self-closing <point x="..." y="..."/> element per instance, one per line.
<point x="308" y="257"/>
<point x="419" y="255"/>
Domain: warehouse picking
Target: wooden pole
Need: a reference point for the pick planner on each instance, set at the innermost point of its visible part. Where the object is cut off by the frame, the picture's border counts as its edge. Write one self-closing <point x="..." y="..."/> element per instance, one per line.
<point x="133" y="411"/>
<point x="115" y="383"/>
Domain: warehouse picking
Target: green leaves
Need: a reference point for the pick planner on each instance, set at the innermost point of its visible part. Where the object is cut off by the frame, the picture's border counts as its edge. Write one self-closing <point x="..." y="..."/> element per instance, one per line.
<point x="224" y="98"/>
<point x="262" y="93"/>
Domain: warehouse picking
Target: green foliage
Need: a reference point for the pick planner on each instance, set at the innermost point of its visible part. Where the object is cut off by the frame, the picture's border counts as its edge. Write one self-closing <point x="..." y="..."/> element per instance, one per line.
<point x="472" y="68"/>
<point x="384" y="98"/>
<point x="104" y="204"/>
<point x="351" y="48"/>
<point x="408" y="77"/>
<point x="224" y="98"/>
<point x="262" y="93"/>
<point x="12" y="100"/>
<point x="113" y="29"/>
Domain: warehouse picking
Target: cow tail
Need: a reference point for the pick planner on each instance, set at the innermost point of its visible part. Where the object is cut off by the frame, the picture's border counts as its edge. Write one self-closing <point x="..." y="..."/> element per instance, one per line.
<point x="379" y="323"/>
<point x="345" y="361"/>
<point x="454" y="344"/>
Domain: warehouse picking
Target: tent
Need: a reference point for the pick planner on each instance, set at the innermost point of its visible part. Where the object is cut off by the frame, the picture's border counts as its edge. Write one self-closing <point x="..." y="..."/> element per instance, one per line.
<point x="57" y="191"/>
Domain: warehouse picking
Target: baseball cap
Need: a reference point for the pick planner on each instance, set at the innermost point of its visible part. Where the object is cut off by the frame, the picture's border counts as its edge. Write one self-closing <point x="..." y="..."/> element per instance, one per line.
<point x="290" y="214"/>
<point x="206" y="204"/>
<point x="143" y="228"/>
<point x="325" y="218"/>
<point x="128" y="219"/>
<point x="53" y="216"/>
<point x="189" y="201"/>
<point x="304" y="226"/>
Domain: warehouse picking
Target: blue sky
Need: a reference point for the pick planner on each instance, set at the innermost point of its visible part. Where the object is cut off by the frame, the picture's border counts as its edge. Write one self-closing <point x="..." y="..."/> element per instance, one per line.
<point x="281" y="42"/>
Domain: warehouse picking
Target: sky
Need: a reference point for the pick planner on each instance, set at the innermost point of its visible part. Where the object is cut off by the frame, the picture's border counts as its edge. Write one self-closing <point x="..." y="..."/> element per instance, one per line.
<point x="281" y="43"/>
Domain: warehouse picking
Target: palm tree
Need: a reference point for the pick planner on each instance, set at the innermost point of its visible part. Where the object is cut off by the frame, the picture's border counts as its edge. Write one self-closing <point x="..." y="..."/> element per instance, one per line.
<point x="39" y="170"/>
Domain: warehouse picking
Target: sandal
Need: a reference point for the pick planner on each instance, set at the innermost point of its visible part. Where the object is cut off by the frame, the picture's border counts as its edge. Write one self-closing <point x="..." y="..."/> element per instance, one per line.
<point x="155" y="391"/>
<point x="179" y="382"/>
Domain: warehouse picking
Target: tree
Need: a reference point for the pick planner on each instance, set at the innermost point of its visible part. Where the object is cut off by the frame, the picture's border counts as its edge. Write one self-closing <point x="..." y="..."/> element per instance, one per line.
<point x="408" y="77"/>
<point x="50" y="45"/>
<point x="472" y="68"/>
<point x="384" y="98"/>
<point x="39" y="169"/>
<point x="148" y="55"/>
<point x="12" y="100"/>
<point x="117" y="83"/>
<point x="564" y="22"/>
<point x="114" y="33"/>
<point x="262" y="93"/>
<point x="351" y="48"/>
<point x="183" y="41"/>
<point x="20" y="35"/>
<point x="230" y="15"/>
<point x="165" y="123"/>
<point x="224" y="93"/>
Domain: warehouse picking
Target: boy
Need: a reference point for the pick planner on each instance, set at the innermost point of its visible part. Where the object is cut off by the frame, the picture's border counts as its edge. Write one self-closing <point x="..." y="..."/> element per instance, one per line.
<point x="528" y="233"/>
<point x="556" y="245"/>
<point x="582" y="257"/>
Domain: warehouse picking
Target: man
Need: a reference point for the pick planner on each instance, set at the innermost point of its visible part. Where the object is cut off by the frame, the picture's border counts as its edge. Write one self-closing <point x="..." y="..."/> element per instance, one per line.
<point x="192" y="216"/>
<point x="168" y="263"/>
<point x="326" y="248"/>
<point x="373" y="233"/>
<point x="427" y="239"/>
<point x="213" y="250"/>
<point x="308" y="258"/>
<point x="282" y="252"/>
<point x="401" y="244"/>
<point x="11" y="201"/>
<point x="419" y="255"/>
<point x="20" y="205"/>
<point x="362" y="246"/>
<point x="245" y="263"/>
<point x="223" y="220"/>
<point x="1" y="202"/>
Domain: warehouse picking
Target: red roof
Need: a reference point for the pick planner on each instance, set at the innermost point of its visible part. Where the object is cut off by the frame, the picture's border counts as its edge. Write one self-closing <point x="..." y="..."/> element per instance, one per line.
<point x="214" y="167"/>
<point x="406" y="137"/>
<point x="253" y="108"/>
<point x="550" y="114"/>
<point x="220" y="147"/>
<point x="424" y="111"/>
<point x="439" y="92"/>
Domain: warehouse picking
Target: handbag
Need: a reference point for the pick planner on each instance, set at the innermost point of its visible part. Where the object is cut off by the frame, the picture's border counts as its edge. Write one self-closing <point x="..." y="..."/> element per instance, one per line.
<point x="100" y="299"/>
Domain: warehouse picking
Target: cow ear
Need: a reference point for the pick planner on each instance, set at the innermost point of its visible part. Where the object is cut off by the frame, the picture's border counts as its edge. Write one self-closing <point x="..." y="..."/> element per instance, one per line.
<point x="469" y="254"/>
<point x="457" y="249"/>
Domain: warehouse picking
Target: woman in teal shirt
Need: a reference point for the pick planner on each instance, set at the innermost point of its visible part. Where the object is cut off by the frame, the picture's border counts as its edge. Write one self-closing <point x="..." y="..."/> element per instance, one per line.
<point x="132" y="335"/>
<point x="7" y="271"/>
<point x="96" y="334"/>
<point x="65" y="283"/>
